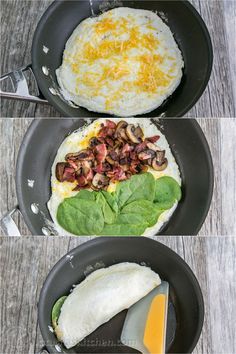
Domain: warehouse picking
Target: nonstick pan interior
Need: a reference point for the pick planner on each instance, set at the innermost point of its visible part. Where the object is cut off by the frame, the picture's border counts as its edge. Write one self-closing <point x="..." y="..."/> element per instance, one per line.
<point x="185" y="293"/>
<point x="190" y="32"/>
<point x="186" y="140"/>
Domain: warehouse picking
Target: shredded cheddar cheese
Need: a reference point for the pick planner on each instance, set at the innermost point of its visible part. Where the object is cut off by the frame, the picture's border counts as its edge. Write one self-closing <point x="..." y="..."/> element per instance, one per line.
<point x="117" y="56"/>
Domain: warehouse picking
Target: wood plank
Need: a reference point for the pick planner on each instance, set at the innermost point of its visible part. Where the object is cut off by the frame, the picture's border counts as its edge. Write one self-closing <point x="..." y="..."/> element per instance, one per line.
<point x="25" y="262"/>
<point x="21" y="17"/>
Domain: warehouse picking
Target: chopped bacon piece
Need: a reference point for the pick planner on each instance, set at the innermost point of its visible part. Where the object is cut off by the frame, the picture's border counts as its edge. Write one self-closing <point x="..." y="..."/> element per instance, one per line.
<point x="105" y="132"/>
<point x="133" y="155"/>
<point x="153" y="139"/>
<point x="73" y="164"/>
<point x="115" y="154"/>
<point x="102" y="133"/>
<point x="110" y="142"/>
<point x="87" y="171"/>
<point x="146" y="154"/>
<point x="117" y="174"/>
<point x="101" y="152"/>
<point x="98" y="168"/>
<point x="126" y="148"/>
<point x="68" y="174"/>
<point x="82" y="181"/>
<point x="110" y="124"/>
<point x="102" y="167"/>
<point x="140" y="147"/>
<point x="101" y="140"/>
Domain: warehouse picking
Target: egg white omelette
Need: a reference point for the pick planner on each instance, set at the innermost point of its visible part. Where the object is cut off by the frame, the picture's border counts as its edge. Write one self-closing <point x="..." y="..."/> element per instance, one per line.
<point x="79" y="140"/>
<point x="124" y="62"/>
<point x="102" y="295"/>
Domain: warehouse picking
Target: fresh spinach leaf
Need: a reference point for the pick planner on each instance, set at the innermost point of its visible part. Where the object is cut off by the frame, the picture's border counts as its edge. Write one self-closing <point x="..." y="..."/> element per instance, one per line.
<point x="108" y="213"/>
<point x="167" y="191"/>
<point x="80" y="216"/>
<point x="123" y="229"/>
<point x="56" y="310"/>
<point x="135" y="205"/>
<point x="87" y="195"/>
<point x="137" y="187"/>
<point x="148" y="210"/>
<point x="111" y="200"/>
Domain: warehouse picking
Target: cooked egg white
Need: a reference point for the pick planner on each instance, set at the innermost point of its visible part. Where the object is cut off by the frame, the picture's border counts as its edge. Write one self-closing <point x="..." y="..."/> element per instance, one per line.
<point x="79" y="140"/>
<point x="124" y="62"/>
<point x="101" y="296"/>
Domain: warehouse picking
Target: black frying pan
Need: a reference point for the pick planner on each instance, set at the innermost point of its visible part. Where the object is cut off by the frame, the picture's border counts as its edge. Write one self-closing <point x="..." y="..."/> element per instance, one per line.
<point x="61" y="18"/>
<point x="188" y="145"/>
<point x="185" y="294"/>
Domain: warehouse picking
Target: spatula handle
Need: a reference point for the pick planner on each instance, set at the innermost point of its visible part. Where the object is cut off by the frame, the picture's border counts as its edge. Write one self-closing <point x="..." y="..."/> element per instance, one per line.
<point x="8" y="225"/>
<point x="20" y="88"/>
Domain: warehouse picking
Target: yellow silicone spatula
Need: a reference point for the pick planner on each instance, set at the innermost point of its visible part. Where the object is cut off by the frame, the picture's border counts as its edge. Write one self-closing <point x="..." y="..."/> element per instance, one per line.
<point x="145" y="324"/>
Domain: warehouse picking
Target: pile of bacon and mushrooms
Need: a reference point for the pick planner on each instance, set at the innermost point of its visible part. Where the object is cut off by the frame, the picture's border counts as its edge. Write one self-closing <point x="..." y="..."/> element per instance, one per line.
<point x="115" y="154"/>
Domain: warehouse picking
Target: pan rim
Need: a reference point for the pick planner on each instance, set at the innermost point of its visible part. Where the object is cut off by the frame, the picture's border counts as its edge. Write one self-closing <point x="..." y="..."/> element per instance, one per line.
<point x="92" y="244"/>
<point x="37" y="121"/>
<point x="181" y="113"/>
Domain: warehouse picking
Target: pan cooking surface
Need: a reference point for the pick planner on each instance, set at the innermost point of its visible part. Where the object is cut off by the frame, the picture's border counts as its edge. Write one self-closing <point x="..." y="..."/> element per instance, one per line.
<point x="185" y="309"/>
<point x="190" y="32"/>
<point x="185" y="138"/>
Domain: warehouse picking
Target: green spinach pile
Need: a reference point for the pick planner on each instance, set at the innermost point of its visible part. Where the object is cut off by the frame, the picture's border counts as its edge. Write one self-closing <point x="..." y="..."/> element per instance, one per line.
<point x="136" y="205"/>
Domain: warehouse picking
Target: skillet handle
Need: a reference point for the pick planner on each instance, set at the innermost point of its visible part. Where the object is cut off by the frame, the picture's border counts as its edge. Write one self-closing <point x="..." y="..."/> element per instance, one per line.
<point x="20" y="87"/>
<point x="43" y="350"/>
<point x="8" y="225"/>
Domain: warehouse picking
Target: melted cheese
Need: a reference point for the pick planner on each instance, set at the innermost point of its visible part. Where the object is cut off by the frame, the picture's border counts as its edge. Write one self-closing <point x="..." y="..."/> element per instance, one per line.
<point x="120" y="62"/>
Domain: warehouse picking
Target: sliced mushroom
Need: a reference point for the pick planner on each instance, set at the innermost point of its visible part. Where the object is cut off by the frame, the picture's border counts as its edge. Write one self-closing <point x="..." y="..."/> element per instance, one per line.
<point x="94" y="141"/>
<point x="159" y="167"/>
<point x="82" y="155"/>
<point x="60" y="167"/>
<point x="120" y="133"/>
<point x="100" y="181"/>
<point x="110" y="160"/>
<point x="146" y="154"/>
<point x="160" y="155"/>
<point x="117" y="144"/>
<point x="138" y="133"/>
<point x="131" y="133"/>
<point x="121" y="125"/>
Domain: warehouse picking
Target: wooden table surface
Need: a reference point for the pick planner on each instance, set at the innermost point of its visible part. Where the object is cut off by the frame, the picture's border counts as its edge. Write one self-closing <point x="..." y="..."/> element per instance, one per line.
<point x="25" y="262"/>
<point x="19" y="19"/>
<point x="220" y="134"/>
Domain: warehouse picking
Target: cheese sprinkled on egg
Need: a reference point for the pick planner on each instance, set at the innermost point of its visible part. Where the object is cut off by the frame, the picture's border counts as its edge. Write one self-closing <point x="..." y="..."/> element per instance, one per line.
<point x="124" y="62"/>
<point x="79" y="140"/>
